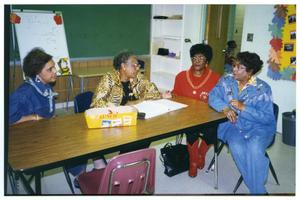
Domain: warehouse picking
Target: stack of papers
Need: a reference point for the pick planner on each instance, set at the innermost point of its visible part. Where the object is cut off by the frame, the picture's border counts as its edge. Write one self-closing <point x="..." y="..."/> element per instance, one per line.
<point x="154" y="108"/>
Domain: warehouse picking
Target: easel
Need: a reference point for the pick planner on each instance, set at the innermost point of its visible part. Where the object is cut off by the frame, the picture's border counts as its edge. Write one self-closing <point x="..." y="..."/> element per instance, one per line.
<point x="69" y="90"/>
<point x="14" y="51"/>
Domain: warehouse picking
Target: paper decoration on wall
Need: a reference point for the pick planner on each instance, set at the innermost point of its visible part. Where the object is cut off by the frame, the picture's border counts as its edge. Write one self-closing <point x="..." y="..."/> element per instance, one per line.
<point x="282" y="55"/>
<point x="57" y="19"/>
<point x="64" y="68"/>
<point x="14" y="18"/>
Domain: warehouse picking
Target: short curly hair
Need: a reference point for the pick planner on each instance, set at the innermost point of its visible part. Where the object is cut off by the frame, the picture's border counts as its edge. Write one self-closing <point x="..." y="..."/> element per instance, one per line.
<point x="204" y="49"/>
<point x="35" y="61"/>
<point x="251" y="61"/>
<point x="122" y="57"/>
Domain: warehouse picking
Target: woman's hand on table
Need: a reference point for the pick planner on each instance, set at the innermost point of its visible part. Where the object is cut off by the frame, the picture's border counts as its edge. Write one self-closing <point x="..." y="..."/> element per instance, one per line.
<point x="166" y="95"/>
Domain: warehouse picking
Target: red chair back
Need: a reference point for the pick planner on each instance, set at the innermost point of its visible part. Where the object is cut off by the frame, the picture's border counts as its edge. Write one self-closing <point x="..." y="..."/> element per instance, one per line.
<point x="130" y="173"/>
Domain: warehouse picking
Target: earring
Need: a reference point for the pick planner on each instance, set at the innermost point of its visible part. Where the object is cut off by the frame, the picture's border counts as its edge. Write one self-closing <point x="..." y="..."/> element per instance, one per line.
<point x="123" y="67"/>
<point x="37" y="78"/>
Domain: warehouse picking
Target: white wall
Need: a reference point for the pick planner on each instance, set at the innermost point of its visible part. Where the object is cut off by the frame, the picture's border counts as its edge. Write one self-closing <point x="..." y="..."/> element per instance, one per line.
<point x="256" y="21"/>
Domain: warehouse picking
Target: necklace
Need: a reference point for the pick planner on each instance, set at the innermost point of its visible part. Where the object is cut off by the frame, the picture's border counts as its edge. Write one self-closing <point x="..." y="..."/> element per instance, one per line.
<point x="197" y="86"/>
<point x="243" y="86"/>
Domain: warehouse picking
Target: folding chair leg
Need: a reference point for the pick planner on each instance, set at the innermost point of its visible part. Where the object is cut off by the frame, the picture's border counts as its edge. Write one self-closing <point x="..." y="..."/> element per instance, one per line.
<point x="272" y="170"/>
<point x="212" y="162"/>
<point x="273" y="173"/>
<point x="68" y="180"/>
<point x="238" y="184"/>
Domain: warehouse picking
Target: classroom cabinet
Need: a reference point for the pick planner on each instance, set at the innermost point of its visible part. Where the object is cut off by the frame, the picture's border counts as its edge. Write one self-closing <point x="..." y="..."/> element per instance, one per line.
<point x="174" y="29"/>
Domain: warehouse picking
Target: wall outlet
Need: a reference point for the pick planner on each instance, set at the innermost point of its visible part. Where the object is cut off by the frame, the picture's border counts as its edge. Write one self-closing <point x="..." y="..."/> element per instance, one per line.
<point x="250" y="37"/>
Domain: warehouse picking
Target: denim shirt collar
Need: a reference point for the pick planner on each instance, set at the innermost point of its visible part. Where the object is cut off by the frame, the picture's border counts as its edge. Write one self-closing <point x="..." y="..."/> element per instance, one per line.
<point x="44" y="90"/>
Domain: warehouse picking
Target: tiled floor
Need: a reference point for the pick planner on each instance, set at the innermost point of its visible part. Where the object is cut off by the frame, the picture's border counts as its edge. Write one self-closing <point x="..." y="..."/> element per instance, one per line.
<point x="281" y="155"/>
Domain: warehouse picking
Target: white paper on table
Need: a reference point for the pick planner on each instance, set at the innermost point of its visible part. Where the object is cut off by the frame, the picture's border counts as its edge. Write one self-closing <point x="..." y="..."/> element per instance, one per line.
<point x="154" y="108"/>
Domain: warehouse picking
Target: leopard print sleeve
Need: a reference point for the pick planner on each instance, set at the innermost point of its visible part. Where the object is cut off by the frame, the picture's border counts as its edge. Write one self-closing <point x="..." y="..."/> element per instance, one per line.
<point x="144" y="89"/>
<point x="102" y="91"/>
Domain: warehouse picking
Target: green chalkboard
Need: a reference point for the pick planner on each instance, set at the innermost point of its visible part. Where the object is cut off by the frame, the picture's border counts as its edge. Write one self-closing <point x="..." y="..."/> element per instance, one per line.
<point x="103" y="30"/>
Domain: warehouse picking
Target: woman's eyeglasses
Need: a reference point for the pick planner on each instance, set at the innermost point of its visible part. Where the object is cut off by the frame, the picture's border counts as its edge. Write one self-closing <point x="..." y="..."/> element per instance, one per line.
<point x="136" y="65"/>
<point x="238" y="66"/>
<point x="198" y="58"/>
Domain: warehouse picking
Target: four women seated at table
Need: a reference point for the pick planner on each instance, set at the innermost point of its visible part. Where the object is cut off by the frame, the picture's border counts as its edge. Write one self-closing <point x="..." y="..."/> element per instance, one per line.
<point x="244" y="99"/>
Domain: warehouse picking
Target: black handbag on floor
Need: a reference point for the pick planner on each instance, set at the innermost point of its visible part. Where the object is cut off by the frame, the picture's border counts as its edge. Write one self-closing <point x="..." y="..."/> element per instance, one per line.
<point x="175" y="158"/>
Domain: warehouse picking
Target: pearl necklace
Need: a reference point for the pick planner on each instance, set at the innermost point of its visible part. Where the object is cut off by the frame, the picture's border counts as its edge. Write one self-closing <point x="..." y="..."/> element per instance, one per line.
<point x="200" y="85"/>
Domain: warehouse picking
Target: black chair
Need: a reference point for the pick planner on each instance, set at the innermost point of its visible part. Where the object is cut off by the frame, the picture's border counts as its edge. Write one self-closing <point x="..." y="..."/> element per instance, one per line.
<point x="276" y="110"/>
<point x="82" y="102"/>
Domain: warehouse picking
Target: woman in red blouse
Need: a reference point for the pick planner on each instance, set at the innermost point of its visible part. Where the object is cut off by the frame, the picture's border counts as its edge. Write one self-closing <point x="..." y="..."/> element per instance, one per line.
<point x="196" y="83"/>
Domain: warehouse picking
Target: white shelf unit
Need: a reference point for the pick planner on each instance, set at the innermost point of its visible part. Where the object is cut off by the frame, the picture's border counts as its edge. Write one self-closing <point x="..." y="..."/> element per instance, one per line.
<point x="170" y="34"/>
<point x="164" y="70"/>
<point x="166" y="33"/>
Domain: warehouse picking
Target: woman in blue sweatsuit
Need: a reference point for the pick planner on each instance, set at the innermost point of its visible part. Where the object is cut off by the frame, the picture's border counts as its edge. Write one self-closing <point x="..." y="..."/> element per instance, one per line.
<point x="247" y="102"/>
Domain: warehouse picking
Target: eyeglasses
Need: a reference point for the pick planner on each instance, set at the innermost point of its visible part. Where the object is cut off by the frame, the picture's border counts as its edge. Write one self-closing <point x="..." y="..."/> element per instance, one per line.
<point x="198" y="57"/>
<point x="136" y="65"/>
<point x="238" y="66"/>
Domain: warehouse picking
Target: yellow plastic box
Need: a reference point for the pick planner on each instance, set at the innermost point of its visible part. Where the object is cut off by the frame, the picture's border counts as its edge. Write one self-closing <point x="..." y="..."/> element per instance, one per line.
<point x="111" y="117"/>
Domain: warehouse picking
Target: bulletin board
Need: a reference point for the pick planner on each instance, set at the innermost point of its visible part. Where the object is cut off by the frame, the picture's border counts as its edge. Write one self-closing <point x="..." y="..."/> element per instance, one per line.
<point x="282" y="57"/>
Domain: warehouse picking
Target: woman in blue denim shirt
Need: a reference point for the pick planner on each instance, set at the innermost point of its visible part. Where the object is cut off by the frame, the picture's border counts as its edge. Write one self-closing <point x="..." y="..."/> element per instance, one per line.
<point x="34" y="99"/>
<point x="247" y="102"/>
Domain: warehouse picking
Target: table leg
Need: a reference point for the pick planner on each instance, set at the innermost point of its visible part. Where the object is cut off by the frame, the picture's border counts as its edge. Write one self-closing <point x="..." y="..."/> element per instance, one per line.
<point x="69" y="89"/>
<point x="38" y="189"/>
<point x="216" y="171"/>
<point x="81" y="85"/>
<point x="216" y="158"/>
<point x="26" y="183"/>
<point x="13" y="181"/>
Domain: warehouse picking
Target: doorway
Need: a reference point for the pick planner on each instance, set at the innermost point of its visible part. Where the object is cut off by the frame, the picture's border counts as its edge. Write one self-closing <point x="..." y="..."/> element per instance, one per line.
<point x="223" y="23"/>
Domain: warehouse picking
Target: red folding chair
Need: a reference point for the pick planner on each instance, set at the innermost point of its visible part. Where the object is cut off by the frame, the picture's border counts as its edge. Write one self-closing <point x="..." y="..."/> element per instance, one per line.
<point x="129" y="173"/>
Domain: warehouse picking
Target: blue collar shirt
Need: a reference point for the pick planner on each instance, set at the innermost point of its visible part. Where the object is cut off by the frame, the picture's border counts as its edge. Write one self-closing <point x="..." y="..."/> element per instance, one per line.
<point x="32" y="97"/>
